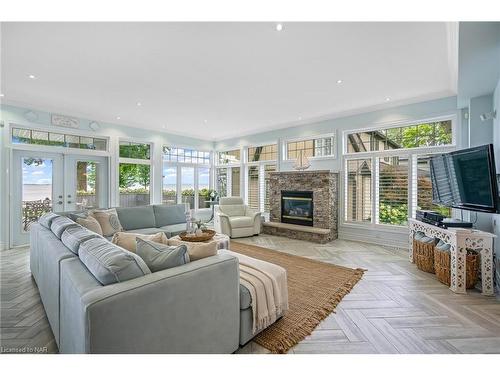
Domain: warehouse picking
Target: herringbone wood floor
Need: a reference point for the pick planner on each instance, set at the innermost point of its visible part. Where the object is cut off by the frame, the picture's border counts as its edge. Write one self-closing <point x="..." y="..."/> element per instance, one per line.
<point x="395" y="308"/>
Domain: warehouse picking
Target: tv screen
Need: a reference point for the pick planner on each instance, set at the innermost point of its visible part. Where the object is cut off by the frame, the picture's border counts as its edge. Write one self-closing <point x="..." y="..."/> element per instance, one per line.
<point x="465" y="179"/>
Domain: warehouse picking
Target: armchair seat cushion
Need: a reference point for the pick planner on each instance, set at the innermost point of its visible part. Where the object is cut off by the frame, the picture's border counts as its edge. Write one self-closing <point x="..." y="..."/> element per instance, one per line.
<point x="241" y="221"/>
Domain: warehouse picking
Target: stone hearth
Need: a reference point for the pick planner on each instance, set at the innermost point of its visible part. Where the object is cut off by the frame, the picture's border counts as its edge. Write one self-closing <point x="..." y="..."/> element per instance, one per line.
<point x="324" y="185"/>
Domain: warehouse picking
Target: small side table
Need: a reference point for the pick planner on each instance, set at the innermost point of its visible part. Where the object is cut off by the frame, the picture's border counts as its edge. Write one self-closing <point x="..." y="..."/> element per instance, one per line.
<point x="212" y="205"/>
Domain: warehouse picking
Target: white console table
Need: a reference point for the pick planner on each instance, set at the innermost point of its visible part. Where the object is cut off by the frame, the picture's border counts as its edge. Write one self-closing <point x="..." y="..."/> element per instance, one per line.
<point x="461" y="239"/>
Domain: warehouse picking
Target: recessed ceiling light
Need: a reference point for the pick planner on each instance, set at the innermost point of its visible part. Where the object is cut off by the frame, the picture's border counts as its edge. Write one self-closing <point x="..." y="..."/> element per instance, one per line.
<point x="1" y="95"/>
<point x="31" y="76"/>
<point x="163" y="126"/>
<point x="139" y="104"/>
<point x="339" y="81"/>
<point x="300" y="118"/>
<point x="118" y="117"/>
<point x="279" y="27"/>
<point x="387" y="99"/>
<point x="205" y="121"/>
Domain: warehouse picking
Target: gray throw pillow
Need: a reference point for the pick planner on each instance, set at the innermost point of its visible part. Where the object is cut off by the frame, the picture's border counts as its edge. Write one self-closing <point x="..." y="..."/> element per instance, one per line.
<point x="159" y="257"/>
<point x="74" y="236"/>
<point x="110" y="263"/>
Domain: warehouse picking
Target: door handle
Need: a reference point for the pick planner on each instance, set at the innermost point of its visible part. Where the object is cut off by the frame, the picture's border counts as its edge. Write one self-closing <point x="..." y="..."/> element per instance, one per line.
<point x="60" y="202"/>
<point x="69" y="202"/>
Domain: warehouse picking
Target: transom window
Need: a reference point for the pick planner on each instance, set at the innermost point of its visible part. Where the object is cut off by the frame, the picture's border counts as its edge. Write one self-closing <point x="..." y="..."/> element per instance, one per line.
<point x="185" y="155"/>
<point x="229" y="157"/>
<point x="134" y="150"/>
<point x="413" y="136"/>
<point x="45" y="138"/>
<point x="263" y="153"/>
<point x="314" y="147"/>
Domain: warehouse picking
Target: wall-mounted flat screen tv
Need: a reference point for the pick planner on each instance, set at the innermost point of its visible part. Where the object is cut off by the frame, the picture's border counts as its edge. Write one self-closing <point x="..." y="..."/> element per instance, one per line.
<point x="466" y="179"/>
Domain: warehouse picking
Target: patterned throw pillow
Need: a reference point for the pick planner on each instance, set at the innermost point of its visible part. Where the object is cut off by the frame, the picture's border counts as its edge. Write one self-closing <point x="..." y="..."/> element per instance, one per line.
<point x="159" y="257"/>
<point x="90" y="223"/>
<point x="127" y="240"/>
<point x="196" y="250"/>
<point x="108" y="219"/>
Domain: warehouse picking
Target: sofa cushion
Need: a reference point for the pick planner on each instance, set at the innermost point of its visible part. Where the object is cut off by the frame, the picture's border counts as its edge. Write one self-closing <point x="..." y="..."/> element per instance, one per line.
<point x="108" y="219"/>
<point x="127" y="240"/>
<point x="169" y="214"/>
<point x="245" y="298"/>
<point x="90" y="223"/>
<point x="110" y="263"/>
<point x="59" y="224"/>
<point x="146" y="231"/>
<point x="241" y="221"/>
<point x="233" y="209"/>
<point x="174" y="229"/>
<point x="159" y="257"/>
<point x="136" y="217"/>
<point x="46" y="219"/>
<point x="74" y="236"/>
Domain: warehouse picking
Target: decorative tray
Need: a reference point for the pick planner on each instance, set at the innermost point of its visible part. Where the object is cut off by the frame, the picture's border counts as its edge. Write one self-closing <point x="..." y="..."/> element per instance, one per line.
<point x="207" y="235"/>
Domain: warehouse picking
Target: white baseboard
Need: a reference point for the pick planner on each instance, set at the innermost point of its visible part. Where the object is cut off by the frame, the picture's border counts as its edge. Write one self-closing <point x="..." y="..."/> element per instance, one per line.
<point x="398" y="240"/>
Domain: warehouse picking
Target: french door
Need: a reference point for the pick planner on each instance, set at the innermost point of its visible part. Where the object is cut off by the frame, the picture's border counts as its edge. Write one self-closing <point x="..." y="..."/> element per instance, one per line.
<point x="53" y="182"/>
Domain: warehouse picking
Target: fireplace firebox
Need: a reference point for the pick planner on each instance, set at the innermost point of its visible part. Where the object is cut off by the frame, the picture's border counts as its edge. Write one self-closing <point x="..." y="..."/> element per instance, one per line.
<point x="297" y="207"/>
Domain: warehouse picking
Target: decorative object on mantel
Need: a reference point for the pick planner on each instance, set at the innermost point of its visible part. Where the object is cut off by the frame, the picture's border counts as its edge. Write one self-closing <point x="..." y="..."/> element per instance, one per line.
<point x="94" y="126"/>
<point x="31" y="116"/>
<point x="302" y="162"/>
<point x="314" y="290"/>
<point x="64" y="121"/>
<point x="206" y="235"/>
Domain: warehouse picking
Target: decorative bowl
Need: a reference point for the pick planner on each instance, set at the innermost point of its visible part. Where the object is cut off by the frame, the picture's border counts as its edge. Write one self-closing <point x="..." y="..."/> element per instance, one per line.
<point x="206" y="236"/>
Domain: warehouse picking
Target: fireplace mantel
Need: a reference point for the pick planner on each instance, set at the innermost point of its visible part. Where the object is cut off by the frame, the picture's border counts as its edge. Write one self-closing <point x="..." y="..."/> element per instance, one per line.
<point x="324" y="185"/>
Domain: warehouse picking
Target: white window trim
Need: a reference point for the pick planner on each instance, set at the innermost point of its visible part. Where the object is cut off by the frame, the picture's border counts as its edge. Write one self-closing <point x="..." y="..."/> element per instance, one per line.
<point x="410" y="153"/>
<point x="285" y="141"/>
<point x="216" y="157"/>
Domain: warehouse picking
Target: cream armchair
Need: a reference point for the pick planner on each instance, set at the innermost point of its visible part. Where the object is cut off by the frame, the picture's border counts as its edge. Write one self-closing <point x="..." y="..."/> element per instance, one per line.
<point x="235" y="219"/>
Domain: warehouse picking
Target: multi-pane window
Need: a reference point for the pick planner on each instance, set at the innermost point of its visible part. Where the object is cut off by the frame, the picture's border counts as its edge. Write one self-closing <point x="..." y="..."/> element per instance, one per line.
<point x="388" y="186"/>
<point x="132" y="150"/>
<point x="186" y="177"/>
<point x="45" y="138"/>
<point x="221" y="181"/>
<point x="268" y="168"/>
<point x="392" y="190"/>
<point x="134" y="183"/>
<point x="358" y="202"/>
<point x="263" y="153"/>
<point x="184" y="155"/>
<point x="422" y="179"/>
<point x="229" y="157"/>
<point x="314" y="147"/>
<point x="420" y="135"/>
<point x="253" y="187"/>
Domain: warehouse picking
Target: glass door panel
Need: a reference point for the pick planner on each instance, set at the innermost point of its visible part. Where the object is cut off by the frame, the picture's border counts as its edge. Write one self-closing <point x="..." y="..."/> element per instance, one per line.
<point x="37" y="189"/>
<point x="203" y="187"/>
<point x="187" y="186"/>
<point x="169" y="189"/>
<point x="86" y="182"/>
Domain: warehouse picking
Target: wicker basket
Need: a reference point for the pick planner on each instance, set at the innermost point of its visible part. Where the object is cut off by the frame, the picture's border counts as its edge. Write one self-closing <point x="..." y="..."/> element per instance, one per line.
<point x="442" y="260"/>
<point x="423" y="255"/>
<point x="206" y="236"/>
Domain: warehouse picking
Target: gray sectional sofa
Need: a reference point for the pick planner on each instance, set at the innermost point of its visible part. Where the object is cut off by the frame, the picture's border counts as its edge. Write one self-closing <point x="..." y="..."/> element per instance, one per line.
<point x="193" y="308"/>
<point x="199" y="307"/>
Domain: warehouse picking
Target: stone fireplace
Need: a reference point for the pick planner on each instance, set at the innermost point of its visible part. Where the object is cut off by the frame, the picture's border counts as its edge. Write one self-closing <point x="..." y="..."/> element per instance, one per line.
<point x="297" y="207"/>
<point x="303" y="205"/>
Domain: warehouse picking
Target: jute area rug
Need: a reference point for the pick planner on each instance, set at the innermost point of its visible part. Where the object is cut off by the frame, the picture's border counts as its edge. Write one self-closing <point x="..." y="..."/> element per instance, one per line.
<point x="314" y="290"/>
